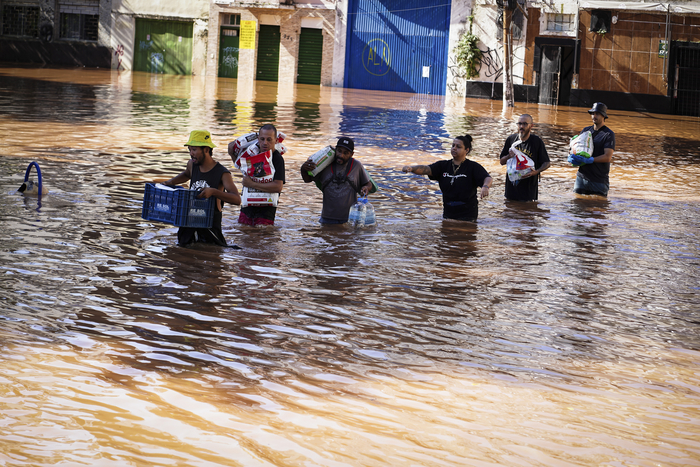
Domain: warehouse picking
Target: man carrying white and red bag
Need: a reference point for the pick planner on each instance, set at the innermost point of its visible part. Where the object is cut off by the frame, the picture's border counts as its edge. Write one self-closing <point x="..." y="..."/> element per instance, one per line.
<point x="263" y="174"/>
<point x="525" y="188"/>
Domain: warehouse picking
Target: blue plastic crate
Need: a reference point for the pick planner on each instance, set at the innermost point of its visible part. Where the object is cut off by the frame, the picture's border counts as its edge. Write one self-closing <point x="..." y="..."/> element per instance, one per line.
<point x="179" y="207"/>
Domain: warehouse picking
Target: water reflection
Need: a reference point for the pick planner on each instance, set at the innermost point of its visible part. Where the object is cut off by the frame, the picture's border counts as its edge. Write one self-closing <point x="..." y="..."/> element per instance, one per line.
<point x="401" y="344"/>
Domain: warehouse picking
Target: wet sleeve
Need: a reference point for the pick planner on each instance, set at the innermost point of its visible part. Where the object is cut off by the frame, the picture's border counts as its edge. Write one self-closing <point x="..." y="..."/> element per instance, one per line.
<point x="436" y="170"/>
<point x="609" y="141"/>
<point x="480" y="174"/>
<point x="543" y="156"/>
<point x="278" y="162"/>
<point x="365" y="177"/>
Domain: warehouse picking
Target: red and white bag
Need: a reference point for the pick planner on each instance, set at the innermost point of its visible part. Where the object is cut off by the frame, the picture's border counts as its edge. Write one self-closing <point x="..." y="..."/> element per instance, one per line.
<point x="519" y="165"/>
<point x="240" y="144"/>
<point x="248" y="144"/>
<point x="259" y="168"/>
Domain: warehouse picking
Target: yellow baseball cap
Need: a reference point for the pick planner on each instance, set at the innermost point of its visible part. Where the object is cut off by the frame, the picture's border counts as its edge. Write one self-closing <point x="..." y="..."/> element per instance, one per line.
<point x="200" y="138"/>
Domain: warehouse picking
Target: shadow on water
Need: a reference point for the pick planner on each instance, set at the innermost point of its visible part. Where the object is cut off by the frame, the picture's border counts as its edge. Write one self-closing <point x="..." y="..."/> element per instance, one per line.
<point x="404" y="343"/>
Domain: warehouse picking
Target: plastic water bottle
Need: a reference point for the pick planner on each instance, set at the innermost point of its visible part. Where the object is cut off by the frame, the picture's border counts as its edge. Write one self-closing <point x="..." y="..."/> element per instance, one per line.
<point x="369" y="213"/>
<point x="354" y="214"/>
<point x="361" y="214"/>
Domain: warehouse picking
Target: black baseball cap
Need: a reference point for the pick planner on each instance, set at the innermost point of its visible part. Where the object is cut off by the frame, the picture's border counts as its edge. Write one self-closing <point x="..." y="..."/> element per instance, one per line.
<point x="347" y="143"/>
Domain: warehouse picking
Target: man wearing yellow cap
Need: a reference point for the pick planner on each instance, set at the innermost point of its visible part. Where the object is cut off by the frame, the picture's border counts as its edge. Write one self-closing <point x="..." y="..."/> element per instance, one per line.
<point x="213" y="179"/>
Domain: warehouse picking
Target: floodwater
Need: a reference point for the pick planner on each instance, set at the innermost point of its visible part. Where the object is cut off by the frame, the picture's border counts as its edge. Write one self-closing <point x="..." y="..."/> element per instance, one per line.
<point x="564" y="332"/>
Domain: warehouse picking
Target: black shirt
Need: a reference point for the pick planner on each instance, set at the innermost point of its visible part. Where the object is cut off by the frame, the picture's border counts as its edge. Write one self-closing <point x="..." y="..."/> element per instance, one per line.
<point x="458" y="186"/>
<point x="533" y="147"/>
<point x="599" y="172"/>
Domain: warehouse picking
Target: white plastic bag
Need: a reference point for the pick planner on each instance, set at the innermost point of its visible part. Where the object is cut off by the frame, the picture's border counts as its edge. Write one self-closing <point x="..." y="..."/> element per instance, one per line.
<point x="519" y="165"/>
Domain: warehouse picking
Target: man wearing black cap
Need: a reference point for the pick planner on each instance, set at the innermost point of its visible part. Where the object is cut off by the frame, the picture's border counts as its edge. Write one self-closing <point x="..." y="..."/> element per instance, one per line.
<point x="593" y="172"/>
<point x="340" y="182"/>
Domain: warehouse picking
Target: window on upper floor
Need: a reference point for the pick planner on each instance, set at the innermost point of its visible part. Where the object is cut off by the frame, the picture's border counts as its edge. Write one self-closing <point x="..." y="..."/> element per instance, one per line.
<point x="560" y="22"/>
<point x="232" y="20"/>
<point x="19" y="20"/>
<point x="80" y="27"/>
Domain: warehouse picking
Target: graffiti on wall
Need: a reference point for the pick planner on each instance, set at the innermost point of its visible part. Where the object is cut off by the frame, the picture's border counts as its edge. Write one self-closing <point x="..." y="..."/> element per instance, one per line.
<point x="157" y="61"/>
<point x="492" y="61"/>
<point x="455" y="75"/>
<point x="490" y="67"/>
<point x="230" y="58"/>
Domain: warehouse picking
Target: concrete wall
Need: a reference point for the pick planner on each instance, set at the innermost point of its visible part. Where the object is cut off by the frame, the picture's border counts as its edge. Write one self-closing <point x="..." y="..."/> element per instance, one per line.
<point x="56" y="51"/>
<point x="339" y="44"/>
<point x="485" y="14"/>
<point x="185" y="9"/>
<point x="459" y="24"/>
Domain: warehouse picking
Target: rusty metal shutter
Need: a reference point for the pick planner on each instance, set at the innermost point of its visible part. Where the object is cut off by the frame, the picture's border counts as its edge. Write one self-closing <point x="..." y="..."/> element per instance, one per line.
<point x="163" y="47"/>
<point x="310" y="56"/>
<point x="268" y="53"/>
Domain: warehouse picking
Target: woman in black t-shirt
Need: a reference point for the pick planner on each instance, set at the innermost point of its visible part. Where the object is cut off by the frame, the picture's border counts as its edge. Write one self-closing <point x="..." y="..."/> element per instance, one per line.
<point x="458" y="179"/>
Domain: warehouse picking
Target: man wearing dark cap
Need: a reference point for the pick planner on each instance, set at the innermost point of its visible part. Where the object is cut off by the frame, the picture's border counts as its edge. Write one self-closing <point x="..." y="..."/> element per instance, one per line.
<point x="340" y="182"/>
<point x="593" y="172"/>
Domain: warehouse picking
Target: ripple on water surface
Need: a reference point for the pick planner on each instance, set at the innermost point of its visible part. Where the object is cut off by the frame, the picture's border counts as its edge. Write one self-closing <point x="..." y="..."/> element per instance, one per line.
<point x="556" y="333"/>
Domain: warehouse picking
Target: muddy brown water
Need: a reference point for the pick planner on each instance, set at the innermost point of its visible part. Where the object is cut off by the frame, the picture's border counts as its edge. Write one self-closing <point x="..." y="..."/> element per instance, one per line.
<point x="564" y="332"/>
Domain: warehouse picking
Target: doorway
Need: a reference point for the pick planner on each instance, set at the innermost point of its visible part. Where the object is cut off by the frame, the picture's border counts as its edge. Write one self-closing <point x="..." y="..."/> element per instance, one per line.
<point x="684" y="87"/>
<point x="557" y="64"/>
<point x="163" y="47"/>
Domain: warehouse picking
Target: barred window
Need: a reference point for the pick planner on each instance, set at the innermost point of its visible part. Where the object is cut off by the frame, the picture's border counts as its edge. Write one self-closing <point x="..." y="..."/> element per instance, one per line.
<point x="557" y="22"/>
<point x="232" y="20"/>
<point x="20" y="20"/>
<point x="79" y="27"/>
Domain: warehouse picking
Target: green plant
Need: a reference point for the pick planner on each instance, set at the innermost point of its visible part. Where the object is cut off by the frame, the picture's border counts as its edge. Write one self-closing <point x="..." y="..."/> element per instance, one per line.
<point x="468" y="54"/>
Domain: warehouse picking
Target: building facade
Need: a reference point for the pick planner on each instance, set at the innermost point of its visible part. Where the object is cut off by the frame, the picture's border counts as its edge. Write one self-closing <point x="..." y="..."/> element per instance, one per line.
<point x="630" y="55"/>
<point x="272" y="41"/>
<point x="159" y="37"/>
<point x="56" y="32"/>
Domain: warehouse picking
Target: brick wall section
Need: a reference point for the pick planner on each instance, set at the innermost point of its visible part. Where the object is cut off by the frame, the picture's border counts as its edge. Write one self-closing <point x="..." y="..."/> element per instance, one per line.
<point x="626" y="59"/>
<point x="290" y="28"/>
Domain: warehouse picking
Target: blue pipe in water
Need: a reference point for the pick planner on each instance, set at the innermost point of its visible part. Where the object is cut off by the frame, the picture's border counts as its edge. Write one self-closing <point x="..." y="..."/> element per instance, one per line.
<point x="38" y="173"/>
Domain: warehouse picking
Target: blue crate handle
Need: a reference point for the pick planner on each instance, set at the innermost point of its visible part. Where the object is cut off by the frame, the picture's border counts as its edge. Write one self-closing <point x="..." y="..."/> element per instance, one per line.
<point x="38" y="173"/>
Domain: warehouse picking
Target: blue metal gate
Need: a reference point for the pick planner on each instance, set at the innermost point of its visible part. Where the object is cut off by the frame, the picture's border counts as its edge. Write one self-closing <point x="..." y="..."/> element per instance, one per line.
<point x="398" y="45"/>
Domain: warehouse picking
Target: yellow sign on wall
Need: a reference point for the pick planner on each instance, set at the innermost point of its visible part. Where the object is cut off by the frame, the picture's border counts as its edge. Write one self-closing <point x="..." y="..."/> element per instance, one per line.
<point x="247" y="39"/>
